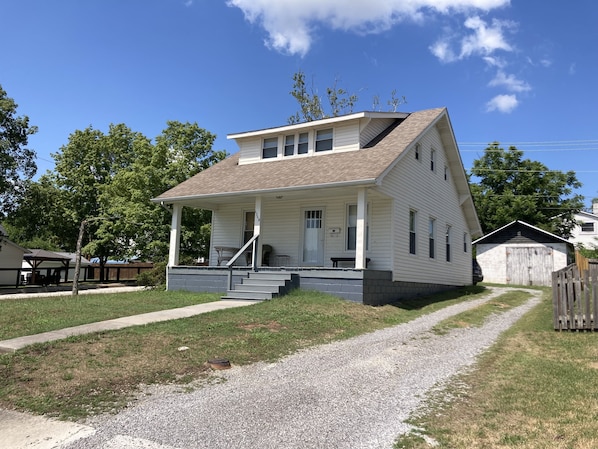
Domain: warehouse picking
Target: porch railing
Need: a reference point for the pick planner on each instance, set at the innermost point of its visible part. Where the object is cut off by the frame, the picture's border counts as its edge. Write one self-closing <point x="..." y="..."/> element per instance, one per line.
<point x="251" y="242"/>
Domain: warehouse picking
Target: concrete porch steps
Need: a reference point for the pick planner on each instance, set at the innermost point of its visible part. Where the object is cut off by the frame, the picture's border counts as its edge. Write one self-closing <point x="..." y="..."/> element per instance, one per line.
<point x="263" y="285"/>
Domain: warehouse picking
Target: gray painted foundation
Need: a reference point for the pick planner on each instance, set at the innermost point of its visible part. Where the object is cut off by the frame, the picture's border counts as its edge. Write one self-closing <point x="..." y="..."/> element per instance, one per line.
<point x="371" y="287"/>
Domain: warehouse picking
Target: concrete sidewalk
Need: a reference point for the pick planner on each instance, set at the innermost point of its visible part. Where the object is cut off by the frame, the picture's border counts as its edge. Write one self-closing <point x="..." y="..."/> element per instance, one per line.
<point x="14" y="344"/>
<point x="25" y="431"/>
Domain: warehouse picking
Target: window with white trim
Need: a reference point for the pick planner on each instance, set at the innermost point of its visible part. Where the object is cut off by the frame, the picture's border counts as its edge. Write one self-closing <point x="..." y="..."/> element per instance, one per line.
<point x="432" y="238"/>
<point x="587" y="227"/>
<point x="289" y="145"/>
<point x="432" y="159"/>
<point x="412" y="231"/>
<point x="302" y="145"/>
<point x="324" y="140"/>
<point x="448" y="243"/>
<point x="465" y="240"/>
<point x="417" y="151"/>
<point x="270" y="148"/>
<point x="296" y="144"/>
<point x="352" y="228"/>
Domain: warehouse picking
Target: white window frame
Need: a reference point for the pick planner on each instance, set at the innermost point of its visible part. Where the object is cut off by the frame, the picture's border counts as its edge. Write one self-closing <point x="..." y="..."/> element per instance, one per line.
<point x="299" y="144"/>
<point x="347" y="227"/>
<point x="432" y="238"/>
<point x="412" y="231"/>
<point x="447" y="239"/>
<point x="265" y="147"/>
<point x="317" y="139"/>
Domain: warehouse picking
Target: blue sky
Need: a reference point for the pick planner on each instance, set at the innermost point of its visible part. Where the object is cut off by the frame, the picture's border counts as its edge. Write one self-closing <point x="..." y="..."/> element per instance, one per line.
<point x="519" y="72"/>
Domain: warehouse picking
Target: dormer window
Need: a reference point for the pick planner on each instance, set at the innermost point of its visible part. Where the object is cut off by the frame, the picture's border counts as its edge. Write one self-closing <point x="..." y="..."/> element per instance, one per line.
<point x="296" y="144"/>
<point x="289" y="145"/>
<point x="302" y="145"/>
<point x="324" y="140"/>
<point x="270" y="148"/>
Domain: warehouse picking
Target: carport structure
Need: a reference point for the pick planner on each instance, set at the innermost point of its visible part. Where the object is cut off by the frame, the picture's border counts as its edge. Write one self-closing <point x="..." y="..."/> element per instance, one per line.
<point x="38" y="257"/>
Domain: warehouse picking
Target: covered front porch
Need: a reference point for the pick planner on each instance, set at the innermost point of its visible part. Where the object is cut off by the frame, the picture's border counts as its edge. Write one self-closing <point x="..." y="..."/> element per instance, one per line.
<point x="323" y="228"/>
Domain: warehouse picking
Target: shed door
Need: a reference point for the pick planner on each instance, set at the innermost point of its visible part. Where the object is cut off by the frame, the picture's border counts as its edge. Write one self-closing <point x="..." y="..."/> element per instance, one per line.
<point x="529" y="265"/>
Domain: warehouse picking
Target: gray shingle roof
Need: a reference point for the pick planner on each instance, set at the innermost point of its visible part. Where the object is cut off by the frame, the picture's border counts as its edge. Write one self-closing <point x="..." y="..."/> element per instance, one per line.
<point x="352" y="167"/>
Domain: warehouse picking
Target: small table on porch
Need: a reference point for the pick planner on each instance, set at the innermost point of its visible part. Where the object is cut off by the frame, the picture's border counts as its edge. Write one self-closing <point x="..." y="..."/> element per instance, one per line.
<point x="225" y="253"/>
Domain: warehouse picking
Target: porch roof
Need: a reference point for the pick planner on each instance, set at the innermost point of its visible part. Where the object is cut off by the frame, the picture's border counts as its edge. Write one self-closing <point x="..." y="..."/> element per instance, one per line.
<point x="366" y="166"/>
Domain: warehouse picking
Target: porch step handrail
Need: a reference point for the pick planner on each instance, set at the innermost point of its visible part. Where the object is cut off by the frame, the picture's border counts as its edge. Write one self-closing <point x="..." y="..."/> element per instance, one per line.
<point x="252" y="241"/>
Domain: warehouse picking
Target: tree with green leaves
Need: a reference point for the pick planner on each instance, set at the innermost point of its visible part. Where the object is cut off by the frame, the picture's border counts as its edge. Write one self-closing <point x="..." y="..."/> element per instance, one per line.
<point x="181" y="151"/>
<point x="108" y="180"/>
<point x="507" y="187"/>
<point x="340" y="101"/>
<point x="17" y="162"/>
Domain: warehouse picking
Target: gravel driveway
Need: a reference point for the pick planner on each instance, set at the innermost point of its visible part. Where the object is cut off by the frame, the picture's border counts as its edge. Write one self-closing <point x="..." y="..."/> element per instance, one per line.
<point x="351" y="394"/>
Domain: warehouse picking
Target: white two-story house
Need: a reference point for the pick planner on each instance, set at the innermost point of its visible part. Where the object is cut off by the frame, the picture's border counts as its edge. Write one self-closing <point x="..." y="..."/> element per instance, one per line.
<point x="370" y="206"/>
<point x="586" y="231"/>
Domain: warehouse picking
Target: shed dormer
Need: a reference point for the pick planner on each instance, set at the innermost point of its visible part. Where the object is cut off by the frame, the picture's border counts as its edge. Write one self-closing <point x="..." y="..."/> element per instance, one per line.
<point x="331" y="135"/>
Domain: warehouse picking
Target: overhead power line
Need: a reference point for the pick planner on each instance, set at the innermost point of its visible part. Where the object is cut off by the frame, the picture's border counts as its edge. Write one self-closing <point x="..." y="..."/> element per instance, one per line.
<point x="547" y="146"/>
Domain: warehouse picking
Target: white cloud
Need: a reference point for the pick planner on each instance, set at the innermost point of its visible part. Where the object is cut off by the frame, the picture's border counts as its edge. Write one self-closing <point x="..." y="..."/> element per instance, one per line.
<point x="494" y="61"/>
<point x="510" y="82"/>
<point x="484" y="40"/>
<point x="290" y="24"/>
<point x="502" y="103"/>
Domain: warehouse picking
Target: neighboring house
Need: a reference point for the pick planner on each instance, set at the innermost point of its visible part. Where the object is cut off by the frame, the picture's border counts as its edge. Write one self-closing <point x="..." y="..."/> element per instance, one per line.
<point x="371" y="206"/>
<point x="586" y="231"/>
<point x="11" y="256"/>
<point x="522" y="254"/>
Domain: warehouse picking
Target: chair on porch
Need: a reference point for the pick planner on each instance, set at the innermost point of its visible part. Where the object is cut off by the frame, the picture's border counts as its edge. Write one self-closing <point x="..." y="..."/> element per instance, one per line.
<point x="266" y="251"/>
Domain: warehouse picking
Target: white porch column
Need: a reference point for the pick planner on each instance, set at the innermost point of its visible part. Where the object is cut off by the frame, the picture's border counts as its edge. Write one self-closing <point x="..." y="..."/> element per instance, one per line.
<point x="175" y="235"/>
<point x="256" y="228"/>
<point x="362" y="201"/>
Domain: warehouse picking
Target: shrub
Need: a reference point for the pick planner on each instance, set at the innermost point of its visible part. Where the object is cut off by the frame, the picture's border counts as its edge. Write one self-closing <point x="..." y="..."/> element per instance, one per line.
<point x="154" y="278"/>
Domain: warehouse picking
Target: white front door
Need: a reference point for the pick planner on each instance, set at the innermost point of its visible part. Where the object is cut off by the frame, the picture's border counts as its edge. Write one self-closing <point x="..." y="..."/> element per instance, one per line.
<point x="313" y="237"/>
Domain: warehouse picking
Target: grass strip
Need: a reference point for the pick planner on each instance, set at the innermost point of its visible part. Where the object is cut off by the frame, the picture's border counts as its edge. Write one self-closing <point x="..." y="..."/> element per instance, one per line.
<point x="29" y="316"/>
<point x="477" y="316"/>
<point x="536" y="388"/>
<point x="97" y="373"/>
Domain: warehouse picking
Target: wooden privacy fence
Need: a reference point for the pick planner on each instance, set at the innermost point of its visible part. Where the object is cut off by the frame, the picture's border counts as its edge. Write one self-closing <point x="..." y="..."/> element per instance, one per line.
<point x="118" y="271"/>
<point x="575" y="297"/>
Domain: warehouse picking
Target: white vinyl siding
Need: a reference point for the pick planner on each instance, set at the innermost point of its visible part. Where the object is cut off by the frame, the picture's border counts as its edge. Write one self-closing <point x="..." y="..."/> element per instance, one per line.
<point x="282" y="227"/>
<point x="324" y="140"/>
<point x="415" y="187"/>
<point x="250" y="151"/>
<point x="346" y="138"/>
<point x="373" y="130"/>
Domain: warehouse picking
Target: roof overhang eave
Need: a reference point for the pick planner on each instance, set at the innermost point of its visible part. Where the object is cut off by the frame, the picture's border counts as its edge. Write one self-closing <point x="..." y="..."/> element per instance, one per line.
<point x="221" y="195"/>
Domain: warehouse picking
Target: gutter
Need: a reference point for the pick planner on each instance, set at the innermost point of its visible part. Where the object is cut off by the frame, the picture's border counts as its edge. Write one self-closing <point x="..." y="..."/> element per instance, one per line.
<point x="163" y="201"/>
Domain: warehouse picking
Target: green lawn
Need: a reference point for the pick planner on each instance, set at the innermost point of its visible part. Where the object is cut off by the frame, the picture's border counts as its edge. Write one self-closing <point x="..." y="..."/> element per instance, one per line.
<point x="95" y="373"/>
<point x="28" y="316"/>
<point x="536" y="388"/>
